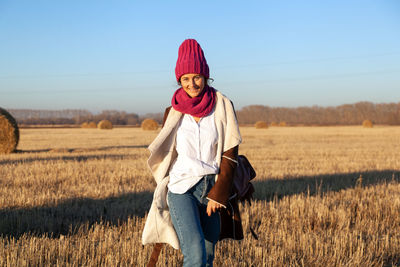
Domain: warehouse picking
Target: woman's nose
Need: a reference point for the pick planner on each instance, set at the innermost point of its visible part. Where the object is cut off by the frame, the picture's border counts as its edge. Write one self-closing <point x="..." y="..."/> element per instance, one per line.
<point x="193" y="84"/>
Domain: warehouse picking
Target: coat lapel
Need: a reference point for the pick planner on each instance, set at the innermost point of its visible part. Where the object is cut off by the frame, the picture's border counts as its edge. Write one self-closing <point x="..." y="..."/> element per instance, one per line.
<point x="163" y="147"/>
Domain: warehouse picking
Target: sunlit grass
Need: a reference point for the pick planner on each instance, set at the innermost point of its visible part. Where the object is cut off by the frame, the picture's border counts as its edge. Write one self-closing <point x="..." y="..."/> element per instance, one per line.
<point x="74" y="197"/>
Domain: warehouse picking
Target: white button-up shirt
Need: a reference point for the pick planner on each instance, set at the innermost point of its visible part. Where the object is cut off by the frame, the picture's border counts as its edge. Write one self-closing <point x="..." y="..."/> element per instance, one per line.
<point x="196" y="144"/>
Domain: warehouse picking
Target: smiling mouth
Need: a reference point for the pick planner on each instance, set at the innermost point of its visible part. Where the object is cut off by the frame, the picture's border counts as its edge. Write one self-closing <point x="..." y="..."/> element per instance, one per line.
<point x="193" y="91"/>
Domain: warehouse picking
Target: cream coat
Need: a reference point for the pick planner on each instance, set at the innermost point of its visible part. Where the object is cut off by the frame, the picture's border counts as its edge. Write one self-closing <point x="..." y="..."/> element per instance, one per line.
<point x="158" y="227"/>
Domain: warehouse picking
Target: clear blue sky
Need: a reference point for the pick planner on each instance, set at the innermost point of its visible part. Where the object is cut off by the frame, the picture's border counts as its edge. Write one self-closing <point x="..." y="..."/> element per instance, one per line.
<point x="121" y="55"/>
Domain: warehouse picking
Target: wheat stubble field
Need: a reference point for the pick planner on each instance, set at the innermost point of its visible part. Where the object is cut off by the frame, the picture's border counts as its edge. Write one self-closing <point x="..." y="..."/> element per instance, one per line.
<point x="79" y="197"/>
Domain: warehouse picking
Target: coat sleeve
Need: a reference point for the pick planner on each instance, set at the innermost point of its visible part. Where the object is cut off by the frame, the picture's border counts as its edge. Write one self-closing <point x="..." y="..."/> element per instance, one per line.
<point x="222" y="189"/>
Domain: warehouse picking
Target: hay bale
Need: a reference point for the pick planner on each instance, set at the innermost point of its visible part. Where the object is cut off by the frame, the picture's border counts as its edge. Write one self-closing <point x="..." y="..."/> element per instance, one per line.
<point x="261" y="125"/>
<point x="105" y="125"/>
<point x="149" y="125"/>
<point x="9" y="132"/>
<point x="273" y="124"/>
<point x="282" y="124"/>
<point x="92" y="124"/>
<point x="367" y="124"/>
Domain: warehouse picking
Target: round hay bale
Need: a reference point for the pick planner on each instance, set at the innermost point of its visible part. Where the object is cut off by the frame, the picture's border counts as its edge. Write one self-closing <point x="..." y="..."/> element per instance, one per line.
<point x="149" y="125"/>
<point x="92" y="124"/>
<point x="282" y="124"/>
<point x="273" y="124"/>
<point x="105" y="125"/>
<point x="367" y="124"/>
<point x="9" y="132"/>
<point x="261" y="125"/>
<point x="85" y="125"/>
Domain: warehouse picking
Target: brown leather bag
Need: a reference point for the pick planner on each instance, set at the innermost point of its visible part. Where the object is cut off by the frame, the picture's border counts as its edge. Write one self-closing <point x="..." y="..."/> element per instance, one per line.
<point x="242" y="177"/>
<point x="244" y="173"/>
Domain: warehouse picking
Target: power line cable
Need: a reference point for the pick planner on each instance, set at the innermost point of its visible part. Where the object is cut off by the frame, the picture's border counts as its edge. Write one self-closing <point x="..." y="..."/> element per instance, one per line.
<point x="131" y="89"/>
<point x="292" y="62"/>
<point x="319" y="77"/>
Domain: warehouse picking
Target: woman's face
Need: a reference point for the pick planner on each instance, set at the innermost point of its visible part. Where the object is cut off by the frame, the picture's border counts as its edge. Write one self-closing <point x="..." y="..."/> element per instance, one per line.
<point x="193" y="84"/>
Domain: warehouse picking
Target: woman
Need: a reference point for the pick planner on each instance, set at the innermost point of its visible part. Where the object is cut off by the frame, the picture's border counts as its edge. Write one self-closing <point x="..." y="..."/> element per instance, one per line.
<point x="192" y="160"/>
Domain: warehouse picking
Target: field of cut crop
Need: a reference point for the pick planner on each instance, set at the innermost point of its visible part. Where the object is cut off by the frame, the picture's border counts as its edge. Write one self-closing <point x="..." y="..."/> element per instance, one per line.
<point x="325" y="196"/>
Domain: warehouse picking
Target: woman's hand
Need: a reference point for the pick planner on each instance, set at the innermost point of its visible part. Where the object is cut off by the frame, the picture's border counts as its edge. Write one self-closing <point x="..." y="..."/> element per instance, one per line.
<point x="212" y="206"/>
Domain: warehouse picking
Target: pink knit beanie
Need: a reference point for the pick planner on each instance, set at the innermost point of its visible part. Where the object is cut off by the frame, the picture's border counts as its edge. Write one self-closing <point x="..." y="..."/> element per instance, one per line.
<point x="191" y="60"/>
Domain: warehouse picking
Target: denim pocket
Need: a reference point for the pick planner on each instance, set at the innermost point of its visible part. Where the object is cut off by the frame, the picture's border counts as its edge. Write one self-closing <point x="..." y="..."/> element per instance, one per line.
<point x="208" y="183"/>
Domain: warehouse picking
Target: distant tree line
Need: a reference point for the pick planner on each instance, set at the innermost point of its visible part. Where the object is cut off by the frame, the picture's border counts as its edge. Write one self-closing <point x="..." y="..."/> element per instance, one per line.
<point x="69" y="116"/>
<point x="348" y="114"/>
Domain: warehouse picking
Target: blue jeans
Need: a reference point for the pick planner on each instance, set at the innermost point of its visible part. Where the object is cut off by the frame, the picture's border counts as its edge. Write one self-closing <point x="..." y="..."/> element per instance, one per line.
<point x="197" y="232"/>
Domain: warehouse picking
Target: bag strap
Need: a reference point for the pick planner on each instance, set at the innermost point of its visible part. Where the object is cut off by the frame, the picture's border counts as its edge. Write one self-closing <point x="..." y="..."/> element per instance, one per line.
<point x="247" y="198"/>
<point x="154" y="255"/>
<point x="249" y="194"/>
<point x="253" y="233"/>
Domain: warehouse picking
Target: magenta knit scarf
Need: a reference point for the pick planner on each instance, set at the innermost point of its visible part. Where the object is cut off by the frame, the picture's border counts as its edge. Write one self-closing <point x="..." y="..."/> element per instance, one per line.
<point x="199" y="106"/>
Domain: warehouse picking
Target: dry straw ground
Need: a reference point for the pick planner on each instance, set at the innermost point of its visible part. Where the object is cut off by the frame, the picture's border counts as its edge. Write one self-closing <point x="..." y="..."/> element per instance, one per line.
<point x="78" y="197"/>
